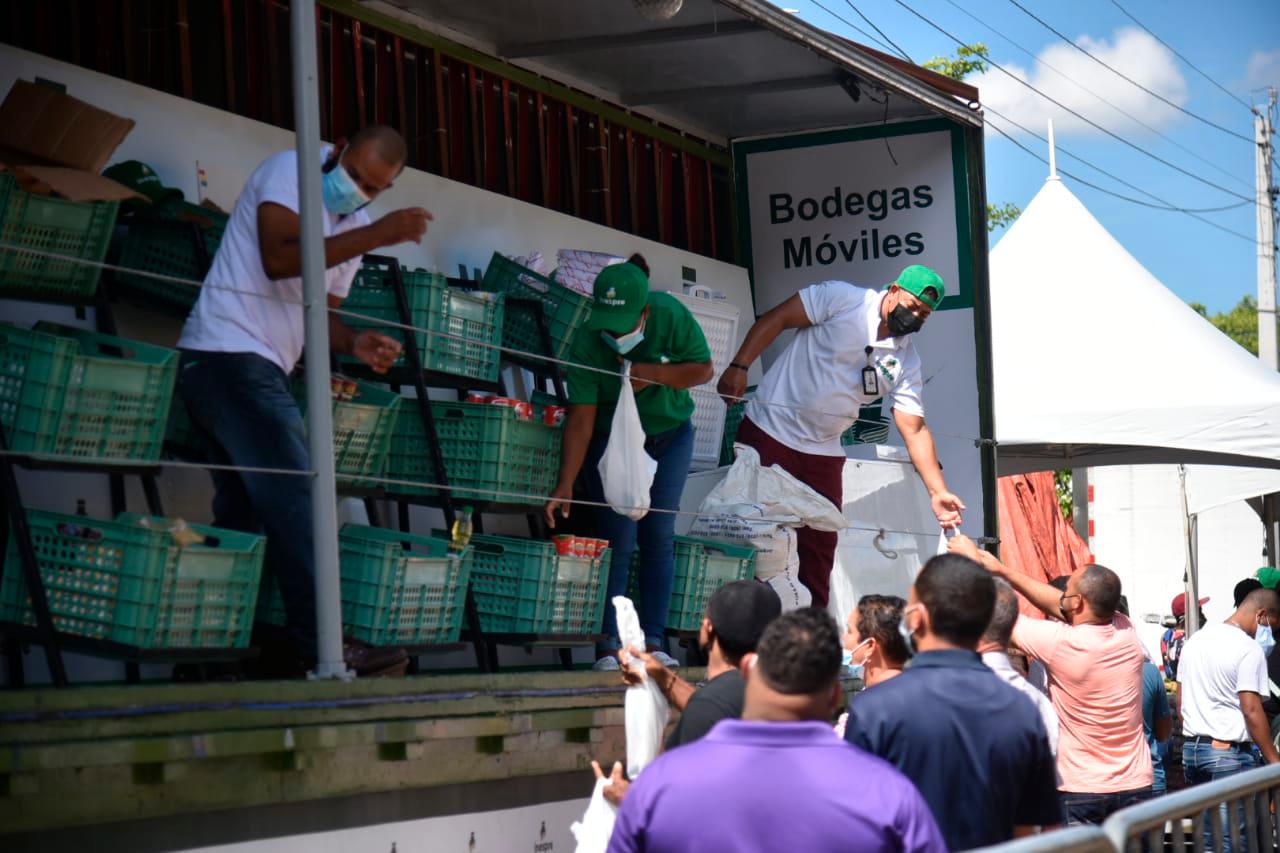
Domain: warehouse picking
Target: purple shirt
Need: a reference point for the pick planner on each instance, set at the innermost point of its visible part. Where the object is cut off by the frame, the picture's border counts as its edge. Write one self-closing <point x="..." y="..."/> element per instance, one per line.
<point x="753" y="786"/>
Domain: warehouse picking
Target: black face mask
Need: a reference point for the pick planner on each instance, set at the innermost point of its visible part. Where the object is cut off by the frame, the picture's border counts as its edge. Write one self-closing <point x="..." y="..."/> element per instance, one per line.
<point x="902" y="322"/>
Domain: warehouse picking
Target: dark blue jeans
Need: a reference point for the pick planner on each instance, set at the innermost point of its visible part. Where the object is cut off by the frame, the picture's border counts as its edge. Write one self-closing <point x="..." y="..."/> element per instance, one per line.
<point x="655" y="533"/>
<point x="1204" y="762"/>
<point x="1093" y="809"/>
<point x="241" y="404"/>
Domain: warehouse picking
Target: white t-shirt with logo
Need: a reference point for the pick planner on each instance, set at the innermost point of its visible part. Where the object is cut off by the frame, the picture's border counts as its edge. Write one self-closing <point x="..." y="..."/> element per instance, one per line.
<point x="820" y="373"/>
<point x="240" y="320"/>
<point x="1218" y="662"/>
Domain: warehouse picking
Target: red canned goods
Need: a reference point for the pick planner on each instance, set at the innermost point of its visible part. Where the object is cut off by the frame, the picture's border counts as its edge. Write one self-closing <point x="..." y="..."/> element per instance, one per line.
<point x="564" y="543"/>
<point x="553" y="416"/>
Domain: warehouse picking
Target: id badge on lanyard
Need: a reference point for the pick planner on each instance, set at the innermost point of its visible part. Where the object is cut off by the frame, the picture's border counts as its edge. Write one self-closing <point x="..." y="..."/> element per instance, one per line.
<point x="870" y="382"/>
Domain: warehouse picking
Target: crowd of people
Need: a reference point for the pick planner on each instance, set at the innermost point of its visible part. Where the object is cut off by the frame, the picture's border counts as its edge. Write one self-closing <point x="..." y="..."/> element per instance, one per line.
<point x="949" y="744"/>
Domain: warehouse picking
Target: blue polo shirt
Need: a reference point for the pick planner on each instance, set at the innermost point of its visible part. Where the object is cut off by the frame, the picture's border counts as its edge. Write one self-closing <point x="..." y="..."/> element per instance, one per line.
<point x="974" y="746"/>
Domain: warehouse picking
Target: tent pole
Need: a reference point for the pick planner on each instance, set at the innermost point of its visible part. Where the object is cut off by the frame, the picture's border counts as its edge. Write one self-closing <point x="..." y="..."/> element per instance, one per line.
<point x="1271" y="521"/>
<point x="1189" y="525"/>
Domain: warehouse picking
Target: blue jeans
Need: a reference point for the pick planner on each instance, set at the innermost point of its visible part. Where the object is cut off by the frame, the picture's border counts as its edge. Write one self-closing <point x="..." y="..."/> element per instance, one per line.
<point x="1093" y="809"/>
<point x="1159" y="751"/>
<point x="1203" y="762"/>
<point x="655" y="533"/>
<point x="241" y="404"/>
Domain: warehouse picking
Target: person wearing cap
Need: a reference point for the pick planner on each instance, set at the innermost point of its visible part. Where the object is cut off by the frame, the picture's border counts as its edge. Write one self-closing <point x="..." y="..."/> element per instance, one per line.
<point x="852" y="347"/>
<point x="1172" y="640"/>
<point x="668" y="353"/>
<point x="142" y="179"/>
<point x="737" y="614"/>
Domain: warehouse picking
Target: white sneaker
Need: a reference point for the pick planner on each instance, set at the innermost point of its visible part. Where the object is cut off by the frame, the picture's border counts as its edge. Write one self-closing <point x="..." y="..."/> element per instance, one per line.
<point x="665" y="659"/>
<point x="608" y="663"/>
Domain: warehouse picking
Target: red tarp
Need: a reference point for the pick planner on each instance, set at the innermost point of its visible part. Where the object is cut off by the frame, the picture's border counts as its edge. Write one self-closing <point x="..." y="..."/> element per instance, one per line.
<point x="1034" y="537"/>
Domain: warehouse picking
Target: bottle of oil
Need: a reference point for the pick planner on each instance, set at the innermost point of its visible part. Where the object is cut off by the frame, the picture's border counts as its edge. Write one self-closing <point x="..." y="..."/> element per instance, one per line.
<point x="461" y="534"/>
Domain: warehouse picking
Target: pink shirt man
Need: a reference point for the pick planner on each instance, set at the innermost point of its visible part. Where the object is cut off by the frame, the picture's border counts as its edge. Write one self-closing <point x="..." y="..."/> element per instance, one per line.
<point x="1095" y="684"/>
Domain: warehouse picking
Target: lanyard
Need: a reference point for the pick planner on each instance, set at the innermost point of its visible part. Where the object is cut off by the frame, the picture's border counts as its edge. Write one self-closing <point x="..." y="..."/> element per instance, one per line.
<point x="870" y="382"/>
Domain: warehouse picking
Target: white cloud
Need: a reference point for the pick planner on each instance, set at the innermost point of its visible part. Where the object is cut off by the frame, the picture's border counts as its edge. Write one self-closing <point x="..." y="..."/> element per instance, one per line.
<point x="1130" y="51"/>
<point x="1263" y="69"/>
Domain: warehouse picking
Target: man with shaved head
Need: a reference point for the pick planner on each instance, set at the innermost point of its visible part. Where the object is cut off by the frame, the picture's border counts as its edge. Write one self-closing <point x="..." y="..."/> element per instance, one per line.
<point x="1223" y="678"/>
<point x="1094" y="659"/>
<point x="244" y="336"/>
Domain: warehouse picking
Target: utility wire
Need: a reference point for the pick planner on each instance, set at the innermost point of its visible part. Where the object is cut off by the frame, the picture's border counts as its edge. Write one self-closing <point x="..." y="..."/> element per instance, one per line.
<point x="873" y="26"/>
<point x="1121" y="74"/>
<point x="857" y="29"/>
<point x="1121" y="196"/>
<point x="1102" y="98"/>
<point x="1241" y="101"/>
<point x="1090" y="122"/>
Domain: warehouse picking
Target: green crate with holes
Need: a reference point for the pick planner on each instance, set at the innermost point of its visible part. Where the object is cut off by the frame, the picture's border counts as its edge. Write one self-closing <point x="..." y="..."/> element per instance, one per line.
<point x="564" y="310"/>
<point x="362" y="431"/>
<point x="702" y="567"/>
<point x="459" y="330"/>
<point x="129" y="581"/>
<point x="76" y="393"/>
<point x="40" y="227"/>
<point x="177" y="240"/>
<point x="523" y="586"/>
<point x="490" y="454"/>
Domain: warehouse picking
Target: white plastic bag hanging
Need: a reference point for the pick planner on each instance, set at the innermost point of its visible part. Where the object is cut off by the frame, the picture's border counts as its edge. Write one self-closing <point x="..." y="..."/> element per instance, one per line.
<point x="592" y="833"/>
<point x="626" y="470"/>
<point x="647" y="711"/>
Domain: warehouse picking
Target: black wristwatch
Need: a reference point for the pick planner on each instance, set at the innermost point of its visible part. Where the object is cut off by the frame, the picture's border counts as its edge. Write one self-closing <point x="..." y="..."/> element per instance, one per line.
<point x="738" y="365"/>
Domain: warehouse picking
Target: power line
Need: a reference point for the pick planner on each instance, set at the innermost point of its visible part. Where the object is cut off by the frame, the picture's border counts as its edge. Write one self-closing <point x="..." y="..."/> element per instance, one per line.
<point x="1101" y="98"/>
<point x="873" y="26"/>
<point x="1155" y="95"/>
<point x="1113" y="193"/>
<point x="1086" y="120"/>
<point x="857" y="29"/>
<point x="1193" y="66"/>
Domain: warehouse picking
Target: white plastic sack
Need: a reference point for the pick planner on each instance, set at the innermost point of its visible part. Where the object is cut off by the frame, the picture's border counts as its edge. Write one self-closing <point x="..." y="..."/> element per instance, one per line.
<point x="790" y="591"/>
<point x="646" y="708"/>
<point x="760" y="507"/>
<point x="626" y="470"/>
<point x="592" y="833"/>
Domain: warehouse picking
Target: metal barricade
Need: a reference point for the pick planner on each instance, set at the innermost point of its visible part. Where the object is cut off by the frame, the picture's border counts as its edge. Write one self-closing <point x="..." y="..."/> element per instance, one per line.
<point x="1250" y="799"/>
<point x="1077" y="839"/>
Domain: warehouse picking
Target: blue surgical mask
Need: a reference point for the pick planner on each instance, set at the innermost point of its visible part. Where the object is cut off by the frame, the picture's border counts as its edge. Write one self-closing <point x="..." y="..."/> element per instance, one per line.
<point x="906" y="632"/>
<point x="342" y="195"/>
<point x="1265" y="639"/>
<point x="856" y="670"/>
<point x="625" y="343"/>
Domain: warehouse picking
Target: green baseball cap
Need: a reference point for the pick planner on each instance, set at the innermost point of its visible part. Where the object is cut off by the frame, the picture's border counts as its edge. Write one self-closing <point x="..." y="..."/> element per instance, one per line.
<point x="916" y="279"/>
<point x="141" y="178"/>
<point x="1268" y="576"/>
<point x="621" y="292"/>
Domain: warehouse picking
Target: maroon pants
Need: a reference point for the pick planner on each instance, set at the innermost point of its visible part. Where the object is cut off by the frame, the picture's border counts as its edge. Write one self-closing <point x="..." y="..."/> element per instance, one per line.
<point x="823" y="474"/>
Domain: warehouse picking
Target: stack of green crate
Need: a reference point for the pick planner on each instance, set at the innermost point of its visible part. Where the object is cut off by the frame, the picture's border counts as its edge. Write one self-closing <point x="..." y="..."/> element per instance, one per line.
<point x="362" y="431"/>
<point x="490" y="454"/>
<point x="871" y="427"/>
<point x="702" y="567"/>
<point x="134" y="584"/>
<point x="76" y="393"/>
<point x="461" y="329"/>
<point x="44" y="227"/>
<point x="522" y="586"/>
<point x="564" y="310"/>
<point x="390" y="595"/>
<point x="167" y="240"/>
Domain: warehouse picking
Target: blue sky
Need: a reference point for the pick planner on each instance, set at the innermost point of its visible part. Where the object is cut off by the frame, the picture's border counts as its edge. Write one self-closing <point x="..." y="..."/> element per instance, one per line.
<point x="1236" y="42"/>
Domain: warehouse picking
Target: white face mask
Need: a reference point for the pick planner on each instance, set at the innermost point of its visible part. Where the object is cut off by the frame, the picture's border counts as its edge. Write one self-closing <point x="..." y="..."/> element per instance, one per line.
<point x="1265" y="639"/>
<point x="624" y="344"/>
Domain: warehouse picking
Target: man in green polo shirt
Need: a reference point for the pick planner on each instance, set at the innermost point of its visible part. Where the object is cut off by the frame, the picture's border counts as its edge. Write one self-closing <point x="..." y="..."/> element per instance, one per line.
<point x="668" y="355"/>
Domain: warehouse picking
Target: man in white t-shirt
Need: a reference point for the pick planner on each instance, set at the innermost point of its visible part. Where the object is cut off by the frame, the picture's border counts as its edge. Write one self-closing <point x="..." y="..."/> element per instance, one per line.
<point x="245" y="334"/>
<point x="1222" y="677"/>
<point x="852" y="347"/>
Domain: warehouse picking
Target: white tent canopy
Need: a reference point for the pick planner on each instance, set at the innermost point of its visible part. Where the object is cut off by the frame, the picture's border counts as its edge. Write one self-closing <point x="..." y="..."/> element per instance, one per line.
<point x="1212" y="486"/>
<point x="1097" y="363"/>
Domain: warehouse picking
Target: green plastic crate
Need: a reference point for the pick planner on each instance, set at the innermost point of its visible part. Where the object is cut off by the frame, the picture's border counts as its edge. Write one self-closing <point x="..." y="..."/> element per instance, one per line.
<point x="362" y="431"/>
<point x="164" y="241"/>
<point x="564" y="310"/>
<point x="486" y="449"/>
<point x="702" y="567"/>
<point x="732" y="420"/>
<point x="77" y="393"/>
<point x="130" y="584"/>
<point x="440" y="310"/>
<point x="390" y="595"/>
<point x="871" y="427"/>
<point x="523" y="586"/>
<point x="44" y="224"/>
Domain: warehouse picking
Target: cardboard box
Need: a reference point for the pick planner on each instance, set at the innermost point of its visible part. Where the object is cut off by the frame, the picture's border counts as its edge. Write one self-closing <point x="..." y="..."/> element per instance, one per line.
<point x="56" y="143"/>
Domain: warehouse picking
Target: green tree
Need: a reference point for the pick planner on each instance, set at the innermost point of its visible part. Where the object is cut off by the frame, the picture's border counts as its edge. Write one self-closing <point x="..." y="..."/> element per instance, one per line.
<point x="1240" y="323"/>
<point x="971" y="59"/>
<point x="1062" y="485"/>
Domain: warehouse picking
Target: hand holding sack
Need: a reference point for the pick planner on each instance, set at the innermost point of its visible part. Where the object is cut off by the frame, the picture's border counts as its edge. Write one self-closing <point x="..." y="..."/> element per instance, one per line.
<point x="647" y="711"/>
